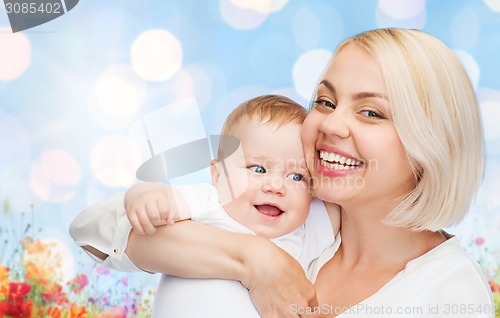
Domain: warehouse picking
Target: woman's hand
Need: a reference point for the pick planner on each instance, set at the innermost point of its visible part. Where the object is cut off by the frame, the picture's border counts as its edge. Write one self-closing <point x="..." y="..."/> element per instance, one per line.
<point x="276" y="281"/>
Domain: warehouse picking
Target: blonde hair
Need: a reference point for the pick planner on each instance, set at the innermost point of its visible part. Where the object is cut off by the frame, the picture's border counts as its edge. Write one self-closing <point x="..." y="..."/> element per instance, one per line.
<point x="437" y="118"/>
<point x="270" y="109"/>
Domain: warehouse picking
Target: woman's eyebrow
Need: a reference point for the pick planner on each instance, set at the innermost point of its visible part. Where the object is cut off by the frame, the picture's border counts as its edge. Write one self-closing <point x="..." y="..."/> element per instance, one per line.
<point x="328" y="85"/>
<point x="356" y="96"/>
<point x="362" y="95"/>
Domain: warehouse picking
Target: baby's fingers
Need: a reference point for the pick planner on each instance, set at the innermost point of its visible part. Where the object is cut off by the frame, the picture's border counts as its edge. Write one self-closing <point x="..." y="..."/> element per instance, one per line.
<point x="136" y="224"/>
<point x="145" y="221"/>
<point x="163" y="208"/>
<point x="158" y="222"/>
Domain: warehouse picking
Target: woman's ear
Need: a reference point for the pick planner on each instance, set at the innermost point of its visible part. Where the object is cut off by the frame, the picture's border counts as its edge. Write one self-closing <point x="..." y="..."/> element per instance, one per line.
<point x="214" y="171"/>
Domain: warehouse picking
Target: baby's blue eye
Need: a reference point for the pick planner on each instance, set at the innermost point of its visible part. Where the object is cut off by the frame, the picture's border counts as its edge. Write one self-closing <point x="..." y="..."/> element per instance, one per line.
<point x="295" y="176"/>
<point x="257" y="169"/>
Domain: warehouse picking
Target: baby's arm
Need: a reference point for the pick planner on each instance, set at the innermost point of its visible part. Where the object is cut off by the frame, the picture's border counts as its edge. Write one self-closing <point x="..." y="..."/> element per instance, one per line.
<point x="151" y="204"/>
<point x="103" y="228"/>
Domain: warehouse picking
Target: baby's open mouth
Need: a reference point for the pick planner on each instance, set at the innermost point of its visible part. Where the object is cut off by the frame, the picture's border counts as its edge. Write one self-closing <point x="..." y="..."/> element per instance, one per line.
<point x="269" y="210"/>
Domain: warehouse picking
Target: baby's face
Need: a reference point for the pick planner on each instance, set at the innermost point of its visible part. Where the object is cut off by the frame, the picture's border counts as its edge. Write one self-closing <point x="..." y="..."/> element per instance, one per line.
<point x="268" y="185"/>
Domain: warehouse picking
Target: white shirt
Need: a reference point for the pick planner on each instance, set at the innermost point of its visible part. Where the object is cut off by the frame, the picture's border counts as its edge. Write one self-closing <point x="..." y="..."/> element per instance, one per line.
<point x="443" y="282"/>
<point x="178" y="297"/>
<point x="106" y="227"/>
<point x="305" y="243"/>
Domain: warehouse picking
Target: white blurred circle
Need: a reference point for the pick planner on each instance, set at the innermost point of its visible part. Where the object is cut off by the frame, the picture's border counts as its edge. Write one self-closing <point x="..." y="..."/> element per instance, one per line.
<point x="489" y="188"/>
<point x="402" y="10"/>
<point x="416" y="22"/>
<point x="156" y="55"/>
<point x="183" y="85"/>
<point x="465" y="36"/>
<point x="470" y="65"/>
<point x="307" y="71"/>
<point x="114" y="160"/>
<point x="55" y="176"/>
<point x="494" y="5"/>
<point x="67" y="260"/>
<point x="15" y="54"/>
<point x="489" y="102"/>
<point x="262" y="6"/>
<point x="241" y="18"/>
<point x="490" y="110"/>
<point x="117" y="96"/>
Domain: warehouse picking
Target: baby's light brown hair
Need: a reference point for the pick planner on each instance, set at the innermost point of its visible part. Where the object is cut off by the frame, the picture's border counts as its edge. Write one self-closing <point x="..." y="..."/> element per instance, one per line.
<point x="270" y="109"/>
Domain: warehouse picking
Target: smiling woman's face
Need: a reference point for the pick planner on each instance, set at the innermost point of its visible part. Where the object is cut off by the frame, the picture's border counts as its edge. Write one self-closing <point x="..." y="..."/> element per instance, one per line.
<point x="352" y="149"/>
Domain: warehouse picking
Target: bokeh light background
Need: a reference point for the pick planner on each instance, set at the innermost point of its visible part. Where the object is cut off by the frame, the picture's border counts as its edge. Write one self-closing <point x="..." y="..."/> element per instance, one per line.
<point x="70" y="90"/>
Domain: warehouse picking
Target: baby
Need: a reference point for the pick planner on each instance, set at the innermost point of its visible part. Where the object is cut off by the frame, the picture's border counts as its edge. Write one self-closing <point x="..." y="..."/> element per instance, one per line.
<point x="261" y="188"/>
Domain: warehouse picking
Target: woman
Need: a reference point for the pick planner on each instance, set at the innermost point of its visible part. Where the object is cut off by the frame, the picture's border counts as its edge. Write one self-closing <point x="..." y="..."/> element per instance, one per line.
<point x="394" y="137"/>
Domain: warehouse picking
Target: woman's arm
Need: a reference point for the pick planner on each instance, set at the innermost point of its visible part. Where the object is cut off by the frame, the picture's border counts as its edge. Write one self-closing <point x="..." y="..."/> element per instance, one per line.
<point x="275" y="280"/>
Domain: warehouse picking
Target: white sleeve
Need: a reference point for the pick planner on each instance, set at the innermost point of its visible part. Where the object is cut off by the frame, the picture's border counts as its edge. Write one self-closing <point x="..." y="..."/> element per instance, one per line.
<point x="105" y="227"/>
<point x="319" y="233"/>
<point x="201" y="199"/>
<point x="204" y="205"/>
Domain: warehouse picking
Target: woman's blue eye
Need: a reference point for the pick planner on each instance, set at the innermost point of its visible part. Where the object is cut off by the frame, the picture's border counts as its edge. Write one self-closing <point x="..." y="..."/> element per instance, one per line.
<point x="295" y="176"/>
<point x="323" y="102"/>
<point x="257" y="169"/>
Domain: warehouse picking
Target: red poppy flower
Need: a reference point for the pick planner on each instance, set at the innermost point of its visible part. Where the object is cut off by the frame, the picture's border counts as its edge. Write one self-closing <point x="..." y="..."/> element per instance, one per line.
<point x="17" y="305"/>
<point x="78" y="283"/>
<point x="19" y="288"/>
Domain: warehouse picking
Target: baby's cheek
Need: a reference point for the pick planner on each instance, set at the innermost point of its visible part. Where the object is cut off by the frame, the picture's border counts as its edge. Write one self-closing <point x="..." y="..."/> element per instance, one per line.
<point x="302" y="196"/>
<point x="231" y="188"/>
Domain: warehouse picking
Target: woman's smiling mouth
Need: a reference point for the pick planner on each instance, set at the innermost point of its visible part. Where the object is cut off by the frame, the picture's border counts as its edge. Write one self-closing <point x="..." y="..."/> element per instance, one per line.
<point x="335" y="161"/>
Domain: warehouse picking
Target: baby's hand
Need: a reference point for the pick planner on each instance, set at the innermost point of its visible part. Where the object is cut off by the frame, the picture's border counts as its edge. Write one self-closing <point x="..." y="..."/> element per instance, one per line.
<point x="147" y="206"/>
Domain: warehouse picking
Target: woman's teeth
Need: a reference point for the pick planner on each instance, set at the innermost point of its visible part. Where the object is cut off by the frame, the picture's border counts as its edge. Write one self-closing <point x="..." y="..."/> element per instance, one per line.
<point x="337" y="162"/>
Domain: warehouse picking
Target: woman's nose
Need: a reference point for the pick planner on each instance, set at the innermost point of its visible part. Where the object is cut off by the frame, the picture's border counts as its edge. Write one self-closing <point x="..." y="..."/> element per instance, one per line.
<point x="336" y="123"/>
